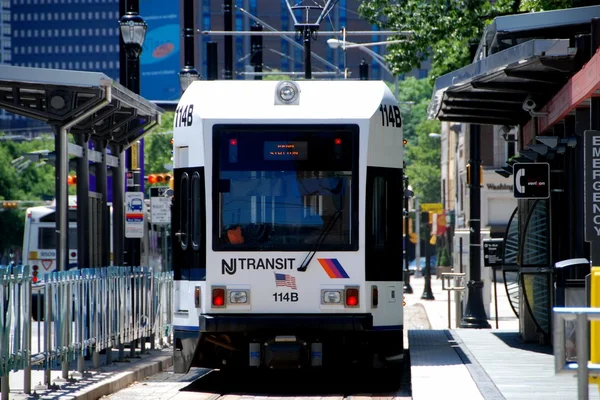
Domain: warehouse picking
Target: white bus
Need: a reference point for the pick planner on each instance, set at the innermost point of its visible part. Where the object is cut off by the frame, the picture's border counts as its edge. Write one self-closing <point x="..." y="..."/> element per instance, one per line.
<point x="39" y="239"/>
<point x="287" y="225"/>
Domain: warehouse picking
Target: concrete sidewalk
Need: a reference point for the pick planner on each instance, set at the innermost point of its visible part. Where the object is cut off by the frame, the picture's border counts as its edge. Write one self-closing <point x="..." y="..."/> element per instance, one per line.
<point x="461" y="363"/>
<point x="94" y="382"/>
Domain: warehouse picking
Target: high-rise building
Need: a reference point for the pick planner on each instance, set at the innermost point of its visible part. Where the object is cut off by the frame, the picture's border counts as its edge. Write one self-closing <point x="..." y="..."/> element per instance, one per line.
<point x="84" y="35"/>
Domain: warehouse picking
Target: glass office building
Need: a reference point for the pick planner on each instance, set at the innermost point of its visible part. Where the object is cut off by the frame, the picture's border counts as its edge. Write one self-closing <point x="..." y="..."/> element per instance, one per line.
<point x="84" y="35"/>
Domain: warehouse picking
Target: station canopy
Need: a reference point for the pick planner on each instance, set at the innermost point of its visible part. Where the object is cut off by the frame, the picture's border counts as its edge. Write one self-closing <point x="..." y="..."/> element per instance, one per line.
<point x="520" y="57"/>
<point x="88" y="102"/>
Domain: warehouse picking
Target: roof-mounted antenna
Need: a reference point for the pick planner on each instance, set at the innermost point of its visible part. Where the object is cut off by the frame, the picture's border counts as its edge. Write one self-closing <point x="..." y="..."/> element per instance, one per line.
<point x="312" y="15"/>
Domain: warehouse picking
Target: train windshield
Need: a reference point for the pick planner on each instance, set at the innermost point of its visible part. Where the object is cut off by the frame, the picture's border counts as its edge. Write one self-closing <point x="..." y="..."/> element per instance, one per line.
<point x="286" y="187"/>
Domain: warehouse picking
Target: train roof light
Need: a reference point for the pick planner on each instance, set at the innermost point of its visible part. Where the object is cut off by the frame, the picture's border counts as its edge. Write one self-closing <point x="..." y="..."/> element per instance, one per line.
<point x="286" y="93"/>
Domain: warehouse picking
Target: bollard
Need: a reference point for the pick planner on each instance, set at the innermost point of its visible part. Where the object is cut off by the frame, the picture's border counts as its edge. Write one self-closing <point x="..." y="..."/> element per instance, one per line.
<point x="595" y="325"/>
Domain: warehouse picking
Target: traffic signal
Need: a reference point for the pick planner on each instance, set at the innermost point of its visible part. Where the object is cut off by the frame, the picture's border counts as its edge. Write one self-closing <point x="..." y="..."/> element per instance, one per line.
<point x="404" y="142"/>
<point x="159" y="178"/>
<point x="72" y="179"/>
<point x="10" y="204"/>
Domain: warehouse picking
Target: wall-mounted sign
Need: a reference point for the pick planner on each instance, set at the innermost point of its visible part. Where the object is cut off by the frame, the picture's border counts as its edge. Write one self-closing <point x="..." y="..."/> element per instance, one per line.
<point x="591" y="177"/>
<point x="532" y="180"/>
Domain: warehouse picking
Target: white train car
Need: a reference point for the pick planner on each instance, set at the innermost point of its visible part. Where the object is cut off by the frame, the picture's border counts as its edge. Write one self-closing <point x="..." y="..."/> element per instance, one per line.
<point x="287" y="225"/>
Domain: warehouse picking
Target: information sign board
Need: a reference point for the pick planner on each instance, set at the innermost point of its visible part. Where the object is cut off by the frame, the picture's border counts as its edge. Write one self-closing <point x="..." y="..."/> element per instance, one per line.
<point x="135" y="210"/>
<point x="492" y="252"/>
<point x="160" y="205"/>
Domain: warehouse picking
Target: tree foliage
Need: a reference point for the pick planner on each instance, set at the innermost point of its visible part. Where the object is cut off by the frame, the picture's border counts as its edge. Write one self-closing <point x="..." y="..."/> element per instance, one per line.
<point x="443" y="31"/>
<point x="157" y="146"/>
<point x="20" y="180"/>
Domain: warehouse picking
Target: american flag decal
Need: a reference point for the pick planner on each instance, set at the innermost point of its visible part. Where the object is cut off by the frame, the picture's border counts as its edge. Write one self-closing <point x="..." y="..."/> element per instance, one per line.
<point x="285" y="280"/>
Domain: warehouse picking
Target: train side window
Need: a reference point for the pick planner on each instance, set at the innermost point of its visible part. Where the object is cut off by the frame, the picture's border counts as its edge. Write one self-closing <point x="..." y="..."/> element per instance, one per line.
<point x="196" y="212"/>
<point x="184" y="215"/>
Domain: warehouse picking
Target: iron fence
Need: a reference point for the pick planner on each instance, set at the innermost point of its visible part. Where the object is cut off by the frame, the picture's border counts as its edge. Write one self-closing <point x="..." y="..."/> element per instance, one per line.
<point x="71" y="315"/>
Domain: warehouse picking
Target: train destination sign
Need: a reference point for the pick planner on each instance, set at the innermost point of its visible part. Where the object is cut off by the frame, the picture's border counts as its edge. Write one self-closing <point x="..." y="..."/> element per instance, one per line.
<point x="591" y="177"/>
<point x="286" y="150"/>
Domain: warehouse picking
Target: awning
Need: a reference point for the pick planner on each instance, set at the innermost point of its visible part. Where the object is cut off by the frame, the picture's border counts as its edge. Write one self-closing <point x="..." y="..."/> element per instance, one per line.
<point x="62" y="97"/>
<point x="493" y="90"/>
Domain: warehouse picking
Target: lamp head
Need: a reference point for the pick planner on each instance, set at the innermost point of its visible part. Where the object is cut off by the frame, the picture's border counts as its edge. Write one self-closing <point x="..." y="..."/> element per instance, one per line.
<point x="187" y="75"/>
<point x="133" y="29"/>
<point x="335" y="43"/>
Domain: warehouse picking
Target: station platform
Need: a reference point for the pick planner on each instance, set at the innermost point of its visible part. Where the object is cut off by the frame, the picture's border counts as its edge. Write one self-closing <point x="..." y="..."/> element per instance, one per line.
<point x="445" y="363"/>
<point x="461" y="363"/>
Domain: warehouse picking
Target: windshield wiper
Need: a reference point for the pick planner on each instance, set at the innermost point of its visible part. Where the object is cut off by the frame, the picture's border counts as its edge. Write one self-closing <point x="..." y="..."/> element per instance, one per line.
<point x="319" y="241"/>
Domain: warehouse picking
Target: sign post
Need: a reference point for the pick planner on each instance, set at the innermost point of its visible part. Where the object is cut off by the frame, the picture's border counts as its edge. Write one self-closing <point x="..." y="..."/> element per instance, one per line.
<point x="492" y="257"/>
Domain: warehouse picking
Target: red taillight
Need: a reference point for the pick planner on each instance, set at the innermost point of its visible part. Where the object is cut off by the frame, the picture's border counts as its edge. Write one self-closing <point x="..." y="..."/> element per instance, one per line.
<point x="374" y="296"/>
<point x="351" y="297"/>
<point x="218" y="297"/>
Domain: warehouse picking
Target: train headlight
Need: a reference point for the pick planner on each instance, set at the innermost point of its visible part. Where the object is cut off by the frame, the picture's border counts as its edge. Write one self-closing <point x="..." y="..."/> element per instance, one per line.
<point x="287" y="92"/>
<point x="238" y="296"/>
<point x="331" y="297"/>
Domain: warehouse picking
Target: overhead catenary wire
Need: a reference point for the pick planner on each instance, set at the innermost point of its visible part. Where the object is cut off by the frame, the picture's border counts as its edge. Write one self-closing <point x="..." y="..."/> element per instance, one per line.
<point x="274" y="32"/>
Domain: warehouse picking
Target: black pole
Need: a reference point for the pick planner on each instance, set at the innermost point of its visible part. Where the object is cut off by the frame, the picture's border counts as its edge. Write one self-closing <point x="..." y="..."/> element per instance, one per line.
<point x="427" y="292"/>
<point x="188" y="73"/>
<point x="188" y="33"/>
<point x="306" y="35"/>
<point x="212" y="62"/>
<point x="228" y="15"/>
<point x="256" y="50"/>
<point x="474" y="316"/>
<point x="407" y="288"/>
<point x="363" y="70"/>
<point x="132" y="82"/>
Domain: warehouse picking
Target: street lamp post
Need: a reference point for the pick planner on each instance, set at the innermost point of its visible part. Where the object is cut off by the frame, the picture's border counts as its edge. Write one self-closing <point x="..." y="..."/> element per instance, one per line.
<point x="475" y="316"/>
<point x="188" y="73"/>
<point x="133" y="32"/>
<point x="427" y="292"/>
<point x="407" y="194"/>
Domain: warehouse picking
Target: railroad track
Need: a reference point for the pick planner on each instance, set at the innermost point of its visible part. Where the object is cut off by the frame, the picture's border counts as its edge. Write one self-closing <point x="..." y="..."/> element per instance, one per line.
<point x="219" y="385"/>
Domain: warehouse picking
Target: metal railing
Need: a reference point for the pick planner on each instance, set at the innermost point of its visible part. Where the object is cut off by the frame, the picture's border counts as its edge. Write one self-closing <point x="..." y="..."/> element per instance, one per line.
<point x="581" y="316"/>
<point x="80" y="313"/>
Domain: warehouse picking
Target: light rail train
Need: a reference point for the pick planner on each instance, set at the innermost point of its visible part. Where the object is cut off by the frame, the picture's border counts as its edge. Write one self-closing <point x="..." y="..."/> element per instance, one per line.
<point x="287" y="225"/>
